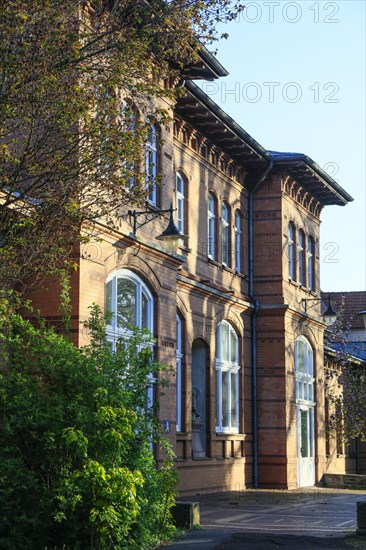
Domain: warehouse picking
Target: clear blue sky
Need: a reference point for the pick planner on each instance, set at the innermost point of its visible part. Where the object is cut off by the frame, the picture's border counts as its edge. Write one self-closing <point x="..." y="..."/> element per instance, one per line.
<point x="297" y="83"/>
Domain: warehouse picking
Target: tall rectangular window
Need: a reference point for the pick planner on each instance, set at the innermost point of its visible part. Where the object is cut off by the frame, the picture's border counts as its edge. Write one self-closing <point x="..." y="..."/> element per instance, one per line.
<point x="311" y="263"/>
<point x="180" y="202"/>
<point x="225" y="244"/>
<point x="211" y="225"/>
<point x="291" y="252"/>
<point x="151" y="162"/>
<point x="302" y="258"/>
<point x="238" y="243"/>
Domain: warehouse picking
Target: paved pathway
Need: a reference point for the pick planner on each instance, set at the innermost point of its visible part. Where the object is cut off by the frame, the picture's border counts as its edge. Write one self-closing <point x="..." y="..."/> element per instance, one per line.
<point x="305" y="519"/>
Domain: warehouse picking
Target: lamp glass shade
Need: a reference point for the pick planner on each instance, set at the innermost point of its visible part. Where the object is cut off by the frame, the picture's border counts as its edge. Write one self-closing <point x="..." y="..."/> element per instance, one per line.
<point x="330" y="315"/>
<point x="171" y="237"/>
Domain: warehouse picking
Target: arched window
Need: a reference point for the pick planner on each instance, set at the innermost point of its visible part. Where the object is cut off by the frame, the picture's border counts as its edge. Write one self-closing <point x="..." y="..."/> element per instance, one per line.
<point x="304" y="365"/>
<point x="130" y="302"/>
<point x="302" y="258"/>
<point x="151" y="161"/>
<point x="311" y="263"/>
<point x="304" y="376"/>
<point x="179" y="374"/>
<point x="291" y="252"/>
<point x="181" y="202"/>
<point x="225" y="238"/>
<point x="238" y="241"/>
<point x="211" y="226"/>
<point x="227" y="371"/>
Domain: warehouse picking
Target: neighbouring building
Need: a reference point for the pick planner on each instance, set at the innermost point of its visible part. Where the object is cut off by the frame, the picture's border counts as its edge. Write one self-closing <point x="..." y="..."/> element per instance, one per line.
<point x="350" y="344"/>
<point x="231" y="310"/>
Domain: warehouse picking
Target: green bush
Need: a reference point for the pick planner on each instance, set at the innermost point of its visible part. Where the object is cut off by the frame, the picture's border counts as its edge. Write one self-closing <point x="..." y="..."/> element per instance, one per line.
<point x="77" y="469"/>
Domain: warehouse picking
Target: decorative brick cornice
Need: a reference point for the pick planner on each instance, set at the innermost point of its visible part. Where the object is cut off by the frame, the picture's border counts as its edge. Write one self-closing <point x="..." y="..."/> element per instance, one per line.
<point x="294" y="190"/>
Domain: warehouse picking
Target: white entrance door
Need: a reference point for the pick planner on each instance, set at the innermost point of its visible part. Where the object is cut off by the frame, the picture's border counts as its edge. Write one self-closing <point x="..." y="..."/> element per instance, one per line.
<point x="305" y="446"/>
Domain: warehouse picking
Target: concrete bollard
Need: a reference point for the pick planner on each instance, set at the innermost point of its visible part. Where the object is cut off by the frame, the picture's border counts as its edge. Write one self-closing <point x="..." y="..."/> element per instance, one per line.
<point x="186" y="515"/>
<point x="361" y="518"/>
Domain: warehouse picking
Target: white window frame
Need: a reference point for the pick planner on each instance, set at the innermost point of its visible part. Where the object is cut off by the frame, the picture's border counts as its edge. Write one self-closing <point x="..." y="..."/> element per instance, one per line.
<point x="304" y="380"/>
<point x="311" y="263"/>
<point x="180" y="184"/>
<point x="223" y="367"/>
<point x="151" y="161"/>
<point x="114" y="332"/>
<point x="238" y="240"/>
<point x="211" y="226"/>
<point x="302" y="258"/>
<point x="179" y="374"/>
<point x="291" y="252"/>
<point x="225" y="243"/>
<point x="129" y="123"/>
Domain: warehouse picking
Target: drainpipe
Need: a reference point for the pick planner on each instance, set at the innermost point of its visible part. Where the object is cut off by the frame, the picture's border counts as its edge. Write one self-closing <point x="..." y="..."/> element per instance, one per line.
<point x="254" y="326"/>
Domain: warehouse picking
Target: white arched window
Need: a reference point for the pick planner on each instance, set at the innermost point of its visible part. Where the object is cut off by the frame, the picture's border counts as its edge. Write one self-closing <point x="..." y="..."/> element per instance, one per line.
<point x="311" y="263"/>
<point x="179" y="374"/>
<point x="151" y="161"/>
<point x="227" y="372"/>
<point x="238" y="232"/>
<point x="305" y="404"/>
<point x="130" y="302"/>
<point x="304" y="365"/>
<point x="291" y="252"/>
<point x="225" y="244"/>
<point x="211" y="225"/>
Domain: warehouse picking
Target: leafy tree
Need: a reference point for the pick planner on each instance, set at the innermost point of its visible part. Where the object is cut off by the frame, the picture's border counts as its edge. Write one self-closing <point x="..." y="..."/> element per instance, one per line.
<point x="346" y="382"/>
<point x="70" y="146"/>
<point x="76" y="462"/>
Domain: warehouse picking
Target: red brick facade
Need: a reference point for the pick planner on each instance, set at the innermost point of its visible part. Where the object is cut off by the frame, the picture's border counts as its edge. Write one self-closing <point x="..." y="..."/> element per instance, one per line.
<point x="208" y="283"/>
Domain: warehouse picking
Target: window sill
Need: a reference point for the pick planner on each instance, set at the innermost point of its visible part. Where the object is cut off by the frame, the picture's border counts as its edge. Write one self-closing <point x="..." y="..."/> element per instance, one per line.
<point x="214" y="262"/>
<point x="229" y="269"/>
<point x="241" y="275"/>
<point x="228" y="432"/>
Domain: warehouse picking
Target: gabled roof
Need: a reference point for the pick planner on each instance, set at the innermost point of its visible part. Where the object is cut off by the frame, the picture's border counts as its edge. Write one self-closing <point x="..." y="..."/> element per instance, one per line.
<point x="311" y="176"/>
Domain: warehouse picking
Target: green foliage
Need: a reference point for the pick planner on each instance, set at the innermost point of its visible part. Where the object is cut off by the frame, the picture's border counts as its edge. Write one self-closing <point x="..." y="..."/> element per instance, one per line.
<point x="70" y="149"/>
<point x="345" y="378"/>
<point x="77" y="468"/>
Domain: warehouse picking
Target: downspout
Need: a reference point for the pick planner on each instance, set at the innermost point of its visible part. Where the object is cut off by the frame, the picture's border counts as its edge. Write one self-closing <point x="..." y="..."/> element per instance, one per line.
<point x="254" y="326"/>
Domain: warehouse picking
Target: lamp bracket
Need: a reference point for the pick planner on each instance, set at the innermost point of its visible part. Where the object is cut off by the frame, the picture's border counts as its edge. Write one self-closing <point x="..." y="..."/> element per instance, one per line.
<point x="148" y="216"/>
<point x="306" y="300"/>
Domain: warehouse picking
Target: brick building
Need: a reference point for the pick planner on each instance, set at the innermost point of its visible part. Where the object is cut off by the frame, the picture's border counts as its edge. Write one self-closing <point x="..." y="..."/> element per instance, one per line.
<point x="246" y="402"/>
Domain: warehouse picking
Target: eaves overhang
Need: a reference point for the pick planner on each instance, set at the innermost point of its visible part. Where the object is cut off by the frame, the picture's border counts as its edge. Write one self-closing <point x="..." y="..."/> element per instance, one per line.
<point x="311" y="177"/>
<point x="207" y="67"/>
<point x="203" y="114"/>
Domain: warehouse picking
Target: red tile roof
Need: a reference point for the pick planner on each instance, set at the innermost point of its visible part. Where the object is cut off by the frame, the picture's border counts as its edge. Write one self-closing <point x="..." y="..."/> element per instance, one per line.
<point x="354" y="302"/>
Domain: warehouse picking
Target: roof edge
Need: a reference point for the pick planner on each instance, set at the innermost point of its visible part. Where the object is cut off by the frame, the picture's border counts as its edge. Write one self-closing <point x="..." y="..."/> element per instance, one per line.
<point x="290" y="158"/>
<point x="212" y="61"/>
<point x="227" y="120"/>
